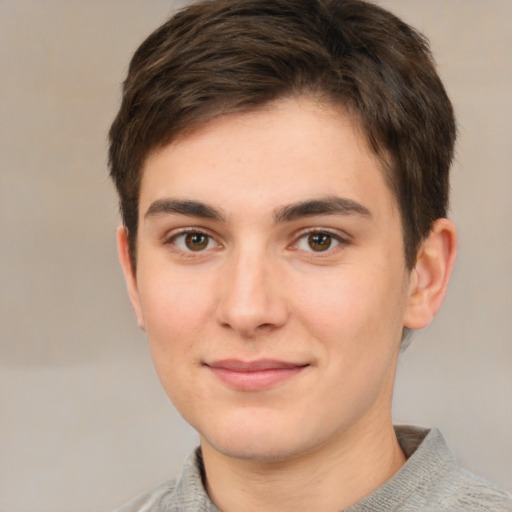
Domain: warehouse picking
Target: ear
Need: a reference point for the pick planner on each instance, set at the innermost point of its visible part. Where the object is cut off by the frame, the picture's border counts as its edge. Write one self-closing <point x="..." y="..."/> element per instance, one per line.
<point x="430" y="276"/>
<point x="123" y="252"/>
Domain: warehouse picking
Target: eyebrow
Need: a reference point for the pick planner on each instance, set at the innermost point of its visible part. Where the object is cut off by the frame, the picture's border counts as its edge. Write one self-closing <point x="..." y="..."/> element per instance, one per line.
<point x="331" y="205"/>
<point x="184" y="207"/>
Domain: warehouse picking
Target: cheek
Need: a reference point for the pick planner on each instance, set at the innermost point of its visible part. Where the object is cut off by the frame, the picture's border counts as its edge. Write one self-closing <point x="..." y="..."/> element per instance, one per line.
<point x="176" y="308"/>
<point x="354" y="308"/>
<point x="175" y="314"/>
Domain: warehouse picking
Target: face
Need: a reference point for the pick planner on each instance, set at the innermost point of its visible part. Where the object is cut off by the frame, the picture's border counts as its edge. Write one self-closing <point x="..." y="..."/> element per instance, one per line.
<point x="271" y="280"/>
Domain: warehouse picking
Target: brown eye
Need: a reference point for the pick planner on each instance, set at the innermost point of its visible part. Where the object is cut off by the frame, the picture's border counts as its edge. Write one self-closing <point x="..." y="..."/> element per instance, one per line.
<point x="193" y="242"/>
<point x="196" y="241"/>
<point x="319" y="242"/>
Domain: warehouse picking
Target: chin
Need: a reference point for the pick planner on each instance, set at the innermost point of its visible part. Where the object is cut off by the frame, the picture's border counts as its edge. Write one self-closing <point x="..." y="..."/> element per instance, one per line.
<point x="257" y="450"/>
<point x="261" y="441"/>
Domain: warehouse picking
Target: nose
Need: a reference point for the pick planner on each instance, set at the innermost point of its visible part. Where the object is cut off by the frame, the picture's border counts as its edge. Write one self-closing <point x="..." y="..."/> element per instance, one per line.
<point x="252" y="300"/>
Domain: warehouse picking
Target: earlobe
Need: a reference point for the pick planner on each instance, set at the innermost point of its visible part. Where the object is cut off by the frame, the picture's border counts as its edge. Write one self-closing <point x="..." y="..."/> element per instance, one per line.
<point x="123" y="252"/>
<point x="431" y="274"/>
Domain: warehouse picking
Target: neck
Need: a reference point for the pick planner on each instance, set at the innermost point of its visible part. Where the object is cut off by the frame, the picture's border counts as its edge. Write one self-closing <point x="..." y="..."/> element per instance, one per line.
<point x="328" y="479"/>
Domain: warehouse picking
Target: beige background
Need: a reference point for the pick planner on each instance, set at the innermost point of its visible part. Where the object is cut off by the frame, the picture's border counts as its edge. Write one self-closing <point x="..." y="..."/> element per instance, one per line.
<point x="84" y="425"/>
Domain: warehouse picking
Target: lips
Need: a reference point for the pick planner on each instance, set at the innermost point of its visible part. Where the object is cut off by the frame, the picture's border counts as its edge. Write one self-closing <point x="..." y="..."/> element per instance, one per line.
<point x="254" y="375"/>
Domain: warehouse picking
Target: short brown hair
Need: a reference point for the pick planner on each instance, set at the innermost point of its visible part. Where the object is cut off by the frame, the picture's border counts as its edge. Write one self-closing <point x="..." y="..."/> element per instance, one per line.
<point x="220" y="57"/>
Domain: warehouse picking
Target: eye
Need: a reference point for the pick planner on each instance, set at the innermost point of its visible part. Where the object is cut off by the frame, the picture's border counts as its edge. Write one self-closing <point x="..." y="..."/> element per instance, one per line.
<point x="317" y="242"/>
<point x="193" y="241"/>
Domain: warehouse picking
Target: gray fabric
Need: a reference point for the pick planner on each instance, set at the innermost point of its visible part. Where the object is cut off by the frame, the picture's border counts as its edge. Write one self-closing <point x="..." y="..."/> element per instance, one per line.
<point x="429" y="481"/>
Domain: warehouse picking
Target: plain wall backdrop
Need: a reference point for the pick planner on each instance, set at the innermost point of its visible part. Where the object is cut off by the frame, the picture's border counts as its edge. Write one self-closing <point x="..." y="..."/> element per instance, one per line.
<point x="84" y="425"/>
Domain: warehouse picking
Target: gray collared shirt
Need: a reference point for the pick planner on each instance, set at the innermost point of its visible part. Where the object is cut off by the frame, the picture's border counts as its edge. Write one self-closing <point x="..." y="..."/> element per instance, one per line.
<point x="430" y="481"/>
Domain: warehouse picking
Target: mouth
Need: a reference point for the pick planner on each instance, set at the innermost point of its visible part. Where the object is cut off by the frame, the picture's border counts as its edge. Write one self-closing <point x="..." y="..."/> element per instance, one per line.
<point x="254" y="375"/>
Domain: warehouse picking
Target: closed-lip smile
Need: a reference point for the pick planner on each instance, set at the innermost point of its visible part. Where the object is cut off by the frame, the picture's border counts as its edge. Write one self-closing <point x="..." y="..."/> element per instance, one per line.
<point x="254" y="375"/>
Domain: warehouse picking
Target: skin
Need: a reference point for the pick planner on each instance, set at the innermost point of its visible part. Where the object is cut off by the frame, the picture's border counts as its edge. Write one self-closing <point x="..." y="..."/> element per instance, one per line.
<point x="293" y="252"/>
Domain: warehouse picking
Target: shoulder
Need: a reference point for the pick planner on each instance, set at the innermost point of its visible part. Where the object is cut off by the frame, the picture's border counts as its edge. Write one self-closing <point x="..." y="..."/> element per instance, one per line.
<point x="459" y="489"/>
<point x="151" y="499"/>
<point x="185" y="493"/>
<point x="432" y="481"/>
<point x="441" y="484"/>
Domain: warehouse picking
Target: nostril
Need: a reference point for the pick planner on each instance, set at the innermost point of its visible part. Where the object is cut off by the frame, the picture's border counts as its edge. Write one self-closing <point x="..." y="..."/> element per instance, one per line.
<point x="266" y="328"/>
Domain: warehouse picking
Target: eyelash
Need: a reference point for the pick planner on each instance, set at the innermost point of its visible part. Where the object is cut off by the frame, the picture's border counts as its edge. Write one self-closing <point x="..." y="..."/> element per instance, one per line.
<point x="340" y="241"/>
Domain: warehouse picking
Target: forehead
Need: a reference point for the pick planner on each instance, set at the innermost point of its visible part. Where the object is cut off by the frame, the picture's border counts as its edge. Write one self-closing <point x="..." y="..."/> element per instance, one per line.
<point x="292" y="150"/>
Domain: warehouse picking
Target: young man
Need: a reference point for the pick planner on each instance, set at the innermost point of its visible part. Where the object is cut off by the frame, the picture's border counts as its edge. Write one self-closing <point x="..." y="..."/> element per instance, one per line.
<point x="282" y="167"/>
